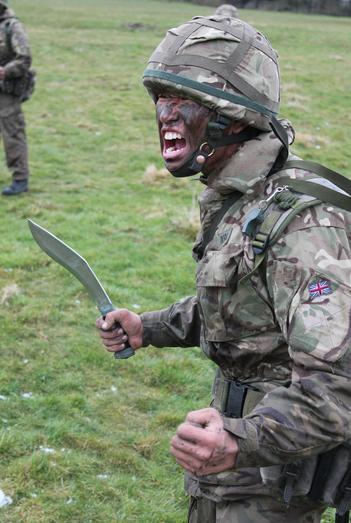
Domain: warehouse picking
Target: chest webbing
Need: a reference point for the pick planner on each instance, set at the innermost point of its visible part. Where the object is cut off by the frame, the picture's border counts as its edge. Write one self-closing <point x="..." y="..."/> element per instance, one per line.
<point x="266" y="228"/>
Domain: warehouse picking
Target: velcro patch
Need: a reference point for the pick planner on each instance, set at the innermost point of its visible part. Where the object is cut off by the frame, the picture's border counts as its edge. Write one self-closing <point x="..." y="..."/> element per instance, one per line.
<point x="319" y="288"/>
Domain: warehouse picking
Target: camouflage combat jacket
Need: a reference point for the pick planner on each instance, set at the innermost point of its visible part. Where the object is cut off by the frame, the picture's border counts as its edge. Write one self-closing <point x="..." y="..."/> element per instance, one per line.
<point x="15" y="56"/>
<point x="286" y="330"/>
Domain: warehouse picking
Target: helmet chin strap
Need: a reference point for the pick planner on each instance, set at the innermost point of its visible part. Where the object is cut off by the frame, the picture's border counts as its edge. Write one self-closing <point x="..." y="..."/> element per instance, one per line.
<point x="195" y="163"/>
<point x="213" y="139"/>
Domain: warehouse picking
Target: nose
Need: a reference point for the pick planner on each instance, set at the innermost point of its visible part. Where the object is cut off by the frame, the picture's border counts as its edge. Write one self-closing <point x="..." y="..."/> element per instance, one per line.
<point x="167" y="113"/>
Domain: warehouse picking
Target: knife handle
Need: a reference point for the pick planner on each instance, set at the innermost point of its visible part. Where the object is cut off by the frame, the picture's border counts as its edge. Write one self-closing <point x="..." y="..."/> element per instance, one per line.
<point x="128" y="351"/>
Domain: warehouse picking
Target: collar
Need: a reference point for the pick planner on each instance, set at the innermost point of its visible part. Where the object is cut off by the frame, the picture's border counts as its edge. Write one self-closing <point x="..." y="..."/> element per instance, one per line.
<point x="250" y="165"/>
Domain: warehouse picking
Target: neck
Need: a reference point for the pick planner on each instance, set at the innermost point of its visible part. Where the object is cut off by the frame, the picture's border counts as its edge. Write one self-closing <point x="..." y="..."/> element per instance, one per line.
<point x="216" y="162"/>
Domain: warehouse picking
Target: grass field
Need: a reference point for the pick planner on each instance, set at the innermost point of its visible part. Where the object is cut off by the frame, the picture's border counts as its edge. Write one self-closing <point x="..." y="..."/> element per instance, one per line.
<point x="83" y="438"/>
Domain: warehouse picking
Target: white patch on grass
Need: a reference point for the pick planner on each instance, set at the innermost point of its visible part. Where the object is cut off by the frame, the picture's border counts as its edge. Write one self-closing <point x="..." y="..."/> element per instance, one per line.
<point x="103" y="476"/>
<point x="47" y="450"/>
<point x="8" y="292"/>
<point x="3" y="398"/>
<point x="27" y="395"/>
<point x="4" y="500"/>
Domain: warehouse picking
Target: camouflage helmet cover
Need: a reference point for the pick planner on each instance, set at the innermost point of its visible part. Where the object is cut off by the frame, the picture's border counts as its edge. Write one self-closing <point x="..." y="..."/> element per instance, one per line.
<point x="222" y="63"/>
<point x="4" y="3"/>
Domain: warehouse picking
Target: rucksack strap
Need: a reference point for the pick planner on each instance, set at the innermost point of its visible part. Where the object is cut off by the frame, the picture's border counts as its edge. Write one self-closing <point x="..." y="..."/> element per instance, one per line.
<point x="8" y="29"/>
<point x="270" y="228"/>
<point x="324" y="194"/>
<point x="314" y="167"/>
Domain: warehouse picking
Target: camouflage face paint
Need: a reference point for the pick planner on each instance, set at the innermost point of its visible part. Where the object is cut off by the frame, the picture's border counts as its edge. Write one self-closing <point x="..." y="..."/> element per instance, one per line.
<point x="182" y="126"/>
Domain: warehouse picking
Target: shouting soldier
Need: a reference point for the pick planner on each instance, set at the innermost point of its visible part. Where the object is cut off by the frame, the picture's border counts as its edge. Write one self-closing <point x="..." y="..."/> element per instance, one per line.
<point x="272" y="307"/>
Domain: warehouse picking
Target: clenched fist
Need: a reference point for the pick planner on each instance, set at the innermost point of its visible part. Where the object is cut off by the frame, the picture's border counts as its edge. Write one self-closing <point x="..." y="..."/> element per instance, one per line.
<point x="202" y="445"/>
<point x="119" y="326"/>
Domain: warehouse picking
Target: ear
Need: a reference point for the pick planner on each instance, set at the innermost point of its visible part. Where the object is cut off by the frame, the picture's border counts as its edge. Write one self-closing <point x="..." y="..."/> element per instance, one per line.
<point x="236" y="127"/>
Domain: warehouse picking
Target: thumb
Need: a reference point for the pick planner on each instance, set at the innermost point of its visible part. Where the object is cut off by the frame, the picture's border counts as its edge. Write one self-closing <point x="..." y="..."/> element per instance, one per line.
<point x="110" y="319"/>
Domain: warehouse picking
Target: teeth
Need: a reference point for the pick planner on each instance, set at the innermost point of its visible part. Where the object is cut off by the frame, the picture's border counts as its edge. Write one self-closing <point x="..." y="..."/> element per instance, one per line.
<point x="172" y="136"/>
<point x="170" y="149"/>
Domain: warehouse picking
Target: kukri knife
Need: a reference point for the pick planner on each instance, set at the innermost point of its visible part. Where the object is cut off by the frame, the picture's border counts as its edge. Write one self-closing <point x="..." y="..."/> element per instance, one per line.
<point x="78" y="266"/>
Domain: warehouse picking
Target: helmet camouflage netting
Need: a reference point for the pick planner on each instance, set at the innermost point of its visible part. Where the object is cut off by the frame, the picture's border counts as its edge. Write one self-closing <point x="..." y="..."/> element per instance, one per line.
<point x="222" y="63"/>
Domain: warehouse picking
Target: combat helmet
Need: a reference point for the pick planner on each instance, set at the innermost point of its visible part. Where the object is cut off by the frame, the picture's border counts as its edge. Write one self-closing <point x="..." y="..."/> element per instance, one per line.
<point x="5" y="3"/>
<point x="224" y="64"/>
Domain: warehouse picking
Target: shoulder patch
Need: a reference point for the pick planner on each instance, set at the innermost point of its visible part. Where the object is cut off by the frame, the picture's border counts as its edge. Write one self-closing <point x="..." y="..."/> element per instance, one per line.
<point x="318" y="288"/>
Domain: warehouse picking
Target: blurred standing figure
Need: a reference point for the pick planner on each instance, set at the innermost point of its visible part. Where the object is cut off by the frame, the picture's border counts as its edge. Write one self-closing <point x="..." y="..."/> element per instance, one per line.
<point x="227" y="10"/>
<point x="15" y="61"/>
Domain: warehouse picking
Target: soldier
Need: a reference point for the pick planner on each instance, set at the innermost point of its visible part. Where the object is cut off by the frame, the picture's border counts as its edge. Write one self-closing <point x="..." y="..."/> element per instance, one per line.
<point x="227" y="10"/>
<point x="272" y="307"/>
<point x="15" y="61"/>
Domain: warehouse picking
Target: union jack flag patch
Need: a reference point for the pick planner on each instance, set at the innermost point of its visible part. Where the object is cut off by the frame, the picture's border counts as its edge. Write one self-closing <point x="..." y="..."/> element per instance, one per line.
<point x="319" y="288"/>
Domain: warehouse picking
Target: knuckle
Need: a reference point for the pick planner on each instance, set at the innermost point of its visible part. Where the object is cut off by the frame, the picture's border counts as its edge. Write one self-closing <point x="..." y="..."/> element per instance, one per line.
<point x="174" y="441"/>
<point x="212" y="440"/>
<point x="182" y="427"/>
<point x="205" y="455"/>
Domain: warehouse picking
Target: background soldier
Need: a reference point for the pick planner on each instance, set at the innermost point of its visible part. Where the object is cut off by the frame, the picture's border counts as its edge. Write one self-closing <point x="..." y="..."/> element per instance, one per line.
<point x="273" y="315"/>
<point x="15" y="61"/>
<point x="227" y="10"/>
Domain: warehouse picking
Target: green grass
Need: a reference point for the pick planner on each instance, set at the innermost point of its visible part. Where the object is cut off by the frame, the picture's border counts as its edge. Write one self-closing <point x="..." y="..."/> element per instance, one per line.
<point x="92" y="134"/>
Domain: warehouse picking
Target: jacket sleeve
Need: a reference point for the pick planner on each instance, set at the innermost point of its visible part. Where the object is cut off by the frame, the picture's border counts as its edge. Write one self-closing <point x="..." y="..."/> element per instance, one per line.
<point x="309" y="277"/>
<point x="176" y="326"/>
<point x="22" y="58"/>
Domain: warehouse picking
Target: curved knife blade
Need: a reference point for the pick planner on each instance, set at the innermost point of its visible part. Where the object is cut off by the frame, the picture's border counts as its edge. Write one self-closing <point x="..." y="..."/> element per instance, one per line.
<point x="79" y="267"/>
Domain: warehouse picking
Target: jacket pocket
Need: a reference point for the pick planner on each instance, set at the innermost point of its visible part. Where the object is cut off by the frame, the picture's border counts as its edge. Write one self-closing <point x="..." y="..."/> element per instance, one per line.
<point x="216" y="284"/>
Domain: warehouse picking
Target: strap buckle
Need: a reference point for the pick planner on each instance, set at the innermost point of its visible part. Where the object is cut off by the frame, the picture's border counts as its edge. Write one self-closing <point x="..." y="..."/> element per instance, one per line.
<point x="233" y="400"/>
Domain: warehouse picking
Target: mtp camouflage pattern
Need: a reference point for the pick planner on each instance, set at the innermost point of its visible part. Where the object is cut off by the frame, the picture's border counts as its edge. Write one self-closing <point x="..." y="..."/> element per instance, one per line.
<point x="258" y="508"/>
<point x="272" y="330"/>
<point x="15" y="57"/>
<point x="223" y="53"/>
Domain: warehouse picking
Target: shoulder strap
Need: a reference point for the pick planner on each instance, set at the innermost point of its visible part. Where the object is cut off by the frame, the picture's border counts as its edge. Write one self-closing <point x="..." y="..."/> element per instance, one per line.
<point x="314" y="167"/>
<point x="341" y="198"/>
<point x="324" y="194"/>
<point x="312" y="193"/>
<point x="271" y="229"/>
<point x="8" y="29"/>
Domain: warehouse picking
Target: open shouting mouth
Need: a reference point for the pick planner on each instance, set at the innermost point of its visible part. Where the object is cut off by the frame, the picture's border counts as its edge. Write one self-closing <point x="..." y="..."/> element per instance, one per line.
<point x="175" y="147"/>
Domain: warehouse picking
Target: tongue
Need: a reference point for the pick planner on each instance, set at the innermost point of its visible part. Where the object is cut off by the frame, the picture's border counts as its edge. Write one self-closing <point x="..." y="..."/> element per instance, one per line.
<point x="180" y="144"/>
